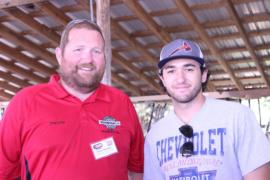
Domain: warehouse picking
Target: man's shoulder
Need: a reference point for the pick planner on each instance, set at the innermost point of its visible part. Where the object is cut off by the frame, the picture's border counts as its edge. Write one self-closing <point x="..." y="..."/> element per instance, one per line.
<point x="31" y="91"/>
<point x="113" y="91"/>
<point x="225" y="104"/>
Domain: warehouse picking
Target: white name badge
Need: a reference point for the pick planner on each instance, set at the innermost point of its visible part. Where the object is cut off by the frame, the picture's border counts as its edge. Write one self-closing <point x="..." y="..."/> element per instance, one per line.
<point x="104" y="148"/>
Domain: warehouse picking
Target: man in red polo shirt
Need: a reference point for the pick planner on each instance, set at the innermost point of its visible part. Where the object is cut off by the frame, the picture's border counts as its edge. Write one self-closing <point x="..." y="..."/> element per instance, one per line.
<point x="73" y="127"/>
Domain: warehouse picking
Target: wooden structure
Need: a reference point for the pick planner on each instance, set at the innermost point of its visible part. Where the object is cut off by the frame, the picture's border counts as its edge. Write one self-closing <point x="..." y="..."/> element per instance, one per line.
<point x="234" y="36"/>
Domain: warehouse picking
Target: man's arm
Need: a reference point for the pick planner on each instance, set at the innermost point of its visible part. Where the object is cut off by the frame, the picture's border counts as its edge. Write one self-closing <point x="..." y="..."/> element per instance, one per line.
<point x="135" y="176"/>
<point x="261" y="173"/>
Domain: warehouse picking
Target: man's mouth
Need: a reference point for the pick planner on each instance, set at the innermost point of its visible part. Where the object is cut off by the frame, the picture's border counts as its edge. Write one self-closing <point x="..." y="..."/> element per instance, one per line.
<point x="86" y="67"/>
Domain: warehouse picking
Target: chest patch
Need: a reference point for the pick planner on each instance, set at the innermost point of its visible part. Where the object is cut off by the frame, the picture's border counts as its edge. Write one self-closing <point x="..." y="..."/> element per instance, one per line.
<point x="109" y="122"/>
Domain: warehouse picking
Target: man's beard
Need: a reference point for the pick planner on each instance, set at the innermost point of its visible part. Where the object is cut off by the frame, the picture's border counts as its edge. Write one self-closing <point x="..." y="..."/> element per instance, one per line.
<point x="185" y="98"/>
<point x="74" y="80"/>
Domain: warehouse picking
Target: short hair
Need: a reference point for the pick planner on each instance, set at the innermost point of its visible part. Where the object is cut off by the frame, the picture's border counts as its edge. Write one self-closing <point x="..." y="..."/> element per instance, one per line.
<point x="78" y="23"/>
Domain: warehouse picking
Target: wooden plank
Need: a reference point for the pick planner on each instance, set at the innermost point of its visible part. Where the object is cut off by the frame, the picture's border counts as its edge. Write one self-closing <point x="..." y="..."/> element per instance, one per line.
<point x="147" y="20"/>
<point x="21" y="72"/>
<point x="103" y="20"/>
<point x="25" y="60"/>
<point x="188" y="14"/>
<point x="246" y="94"/>
<point x="32" y="24"/>
<point x="11" y="3"/>
<point x="27" y="45"/>
<point x="5" y="96"/>
<point x="126" y="84"/>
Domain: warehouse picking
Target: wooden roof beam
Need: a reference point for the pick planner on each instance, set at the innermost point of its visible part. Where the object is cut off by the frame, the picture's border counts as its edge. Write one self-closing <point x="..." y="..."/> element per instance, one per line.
<point x="199" y="6"/>
<point x="233" y="13"/>
<point x="22" y="72"/>
<point x="244" y="80"/>
<point x="5" y="96"/>
<point x="247" y="94"/>
<point x="185" y="10"/>
<point x="11" y="3"/>
<point x="9" y="78"/>
<point x="57" y="14"/>
<point x="27" y="45"/>
<point x="34" y="25"/>
<point x="119" y="32"/>
<point x="119" y="60"/>
<point x="212" y="24"/>
<point x="23" y="59"/>
<point x="9" y="87"/>
<point x="147" y="20"/>
<point x="126" y="84"/>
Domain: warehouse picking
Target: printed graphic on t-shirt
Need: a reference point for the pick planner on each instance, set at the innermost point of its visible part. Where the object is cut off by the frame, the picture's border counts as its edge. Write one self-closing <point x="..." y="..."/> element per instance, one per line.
<point x="193" y="174"/>
<point x="203" y="165"/>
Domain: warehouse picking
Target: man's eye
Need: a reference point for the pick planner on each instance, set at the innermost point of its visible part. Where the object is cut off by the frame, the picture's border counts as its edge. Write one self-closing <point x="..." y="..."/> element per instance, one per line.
<point x="170" y="71"/>
<point x="77" y="49"/>
<point x="189" y="69"/>
<point x="97" y="51"/>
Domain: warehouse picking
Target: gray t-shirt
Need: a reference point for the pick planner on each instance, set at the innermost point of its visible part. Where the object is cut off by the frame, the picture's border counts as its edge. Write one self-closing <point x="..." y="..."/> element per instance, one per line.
<point x="228" y="144"/>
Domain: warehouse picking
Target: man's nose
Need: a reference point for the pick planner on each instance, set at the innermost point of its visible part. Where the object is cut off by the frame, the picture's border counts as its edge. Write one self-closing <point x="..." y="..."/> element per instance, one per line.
<point x="87" y="56"/>
<point x="180" y="76"/>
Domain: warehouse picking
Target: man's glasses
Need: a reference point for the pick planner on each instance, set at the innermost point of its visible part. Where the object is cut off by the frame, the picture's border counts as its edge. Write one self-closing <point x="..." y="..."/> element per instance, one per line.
<point x="187" y="149"/>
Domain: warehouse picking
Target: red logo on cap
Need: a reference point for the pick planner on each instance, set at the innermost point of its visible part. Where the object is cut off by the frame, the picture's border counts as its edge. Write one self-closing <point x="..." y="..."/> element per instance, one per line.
<point x="185" y="46"/>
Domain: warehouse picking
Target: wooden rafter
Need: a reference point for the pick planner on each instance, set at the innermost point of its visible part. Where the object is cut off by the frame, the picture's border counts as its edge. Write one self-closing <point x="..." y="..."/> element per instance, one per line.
<point x="185" y="10"/>
<point x="15" y="54"/>
<point x="246" y="40"/>
<point x="29" y="31"/>
<point x="9" y="78"/>
<point x="249" y="94"/>
<point x="147" y="20"/>
<point x="22" y="72"/>
<point x="136" y="72"/>
<point x="8" y="87"/>
<point x="34" y="25"/>
<point x="28" y="45"/>
<point x="11" y="3"/>
<point x="126" y="84"/>
<point x="4" y="96"/>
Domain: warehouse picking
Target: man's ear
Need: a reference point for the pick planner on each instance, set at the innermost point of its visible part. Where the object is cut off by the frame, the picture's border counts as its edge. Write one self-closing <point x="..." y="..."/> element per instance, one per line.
<point x="204" y="75"/>
<point x="58" y="54"/>
<point x="161" y="77"/>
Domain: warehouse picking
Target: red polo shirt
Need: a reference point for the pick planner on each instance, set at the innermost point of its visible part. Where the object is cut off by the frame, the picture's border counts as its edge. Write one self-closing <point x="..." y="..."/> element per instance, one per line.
<point x="47" y="134"/>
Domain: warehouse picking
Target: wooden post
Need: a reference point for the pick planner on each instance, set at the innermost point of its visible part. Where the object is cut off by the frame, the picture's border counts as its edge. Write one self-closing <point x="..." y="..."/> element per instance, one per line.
<point x="103" y="20"/>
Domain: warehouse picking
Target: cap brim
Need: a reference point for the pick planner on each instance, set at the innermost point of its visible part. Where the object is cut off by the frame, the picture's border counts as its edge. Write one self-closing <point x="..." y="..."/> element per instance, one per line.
<point x="164" y="61"/>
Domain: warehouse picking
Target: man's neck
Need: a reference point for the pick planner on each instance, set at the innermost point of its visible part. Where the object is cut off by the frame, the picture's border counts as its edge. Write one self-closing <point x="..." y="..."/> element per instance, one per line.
<point x="74" y="92"/>
<point x="186" y="111"/>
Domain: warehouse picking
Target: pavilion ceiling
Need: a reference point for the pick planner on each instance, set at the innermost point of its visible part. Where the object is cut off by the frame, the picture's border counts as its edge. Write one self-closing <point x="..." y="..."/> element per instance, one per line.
<point x="234" y="36"/>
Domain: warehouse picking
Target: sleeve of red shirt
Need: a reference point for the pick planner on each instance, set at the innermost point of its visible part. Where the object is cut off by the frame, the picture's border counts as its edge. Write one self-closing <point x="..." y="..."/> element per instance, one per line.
<point x="136" y="157"/>
<point x="10" y="139"/>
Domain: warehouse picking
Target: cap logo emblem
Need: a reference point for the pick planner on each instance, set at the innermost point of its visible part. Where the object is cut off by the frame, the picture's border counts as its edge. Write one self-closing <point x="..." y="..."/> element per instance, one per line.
<point x="185" y="46"/>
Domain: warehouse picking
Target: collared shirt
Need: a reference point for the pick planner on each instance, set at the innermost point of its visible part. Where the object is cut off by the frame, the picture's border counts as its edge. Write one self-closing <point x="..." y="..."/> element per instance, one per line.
<point x="46" y="133"/>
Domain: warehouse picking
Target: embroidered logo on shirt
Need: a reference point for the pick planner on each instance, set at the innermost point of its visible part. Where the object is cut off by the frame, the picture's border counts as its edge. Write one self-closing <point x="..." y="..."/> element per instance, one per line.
<point x="192" y="173"/>
<point x="109" y="122"/>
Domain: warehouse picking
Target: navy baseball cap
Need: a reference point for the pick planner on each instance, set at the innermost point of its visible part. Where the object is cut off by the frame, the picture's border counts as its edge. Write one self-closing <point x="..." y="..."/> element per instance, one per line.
<point x="181" y="48"/>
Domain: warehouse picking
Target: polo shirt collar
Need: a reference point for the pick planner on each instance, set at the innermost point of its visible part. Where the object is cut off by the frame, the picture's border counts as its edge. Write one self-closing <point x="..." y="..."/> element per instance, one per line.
<point x="59" y="91"/>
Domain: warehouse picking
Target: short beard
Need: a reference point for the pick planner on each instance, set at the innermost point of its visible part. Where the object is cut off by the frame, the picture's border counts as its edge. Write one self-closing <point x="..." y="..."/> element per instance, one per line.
<point x="72" y="80"/>
<point x="188" y="98"/>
